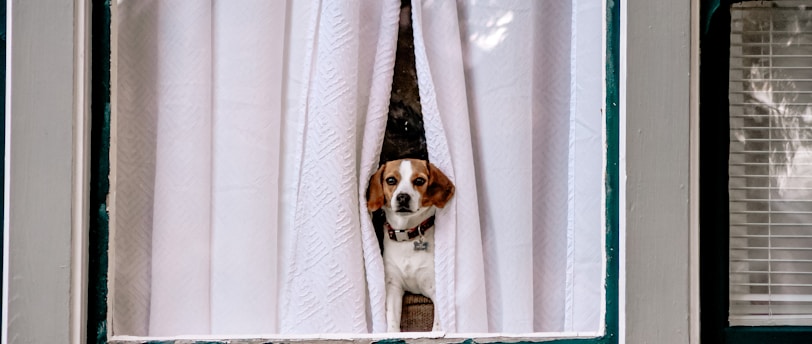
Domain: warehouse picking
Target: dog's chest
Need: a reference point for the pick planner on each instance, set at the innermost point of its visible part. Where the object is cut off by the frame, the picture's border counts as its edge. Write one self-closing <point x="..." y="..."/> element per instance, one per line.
<point x="414" y="269"/>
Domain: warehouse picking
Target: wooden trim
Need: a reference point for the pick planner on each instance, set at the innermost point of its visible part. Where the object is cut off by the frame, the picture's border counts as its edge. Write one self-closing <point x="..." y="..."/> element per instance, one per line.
<point x="111" y="198"/>
<point x="694" y="306"/>
<point x="81" y="174"/>
<point x="655" y="109"/>
<point x="40" y="120"/>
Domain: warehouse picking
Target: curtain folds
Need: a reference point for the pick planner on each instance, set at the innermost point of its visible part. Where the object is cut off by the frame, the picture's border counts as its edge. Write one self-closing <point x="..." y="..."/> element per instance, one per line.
<point x="246" y="132"/>
<point x="325" y="280"/>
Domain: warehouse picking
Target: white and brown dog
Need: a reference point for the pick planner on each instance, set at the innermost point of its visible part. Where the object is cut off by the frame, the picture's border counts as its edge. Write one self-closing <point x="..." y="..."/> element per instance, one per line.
<point x="409" y="191"/>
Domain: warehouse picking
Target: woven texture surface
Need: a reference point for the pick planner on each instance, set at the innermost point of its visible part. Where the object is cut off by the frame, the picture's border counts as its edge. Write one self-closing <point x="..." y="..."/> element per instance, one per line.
<point x="417" y="314"/>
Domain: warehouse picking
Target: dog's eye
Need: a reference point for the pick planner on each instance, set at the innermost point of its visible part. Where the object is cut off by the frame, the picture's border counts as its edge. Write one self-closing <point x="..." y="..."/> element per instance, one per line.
<point x="391" y="181"/>
<point x="419" y="181"/>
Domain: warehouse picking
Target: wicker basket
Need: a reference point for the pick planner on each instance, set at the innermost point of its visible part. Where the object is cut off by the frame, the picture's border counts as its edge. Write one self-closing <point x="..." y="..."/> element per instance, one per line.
<point x="418" y="313"/>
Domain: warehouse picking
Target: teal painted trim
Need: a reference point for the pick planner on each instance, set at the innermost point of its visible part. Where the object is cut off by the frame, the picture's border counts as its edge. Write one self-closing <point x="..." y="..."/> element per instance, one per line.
<point x="612" y="170"/>
<point x="768" y="334"/>
<point x="709" y="8"/>
<point x="707" y="14"/>
<point x="395" y="341"/>
<point x="97" y="322"/>
<point x="100" y="167"/>
<point x="172" y="342"/>
<point x="714" y="66"/>
<point x="3" y="30"/>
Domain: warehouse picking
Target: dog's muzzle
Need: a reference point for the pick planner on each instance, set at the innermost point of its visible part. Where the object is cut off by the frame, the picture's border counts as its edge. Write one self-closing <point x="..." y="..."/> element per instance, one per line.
<point x="403" y="201"/>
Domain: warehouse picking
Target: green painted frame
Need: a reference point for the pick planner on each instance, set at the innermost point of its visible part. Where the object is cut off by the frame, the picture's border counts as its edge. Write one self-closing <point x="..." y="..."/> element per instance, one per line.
<point x="100" y="185"/>
<point x="713" y="197"/>
<point x="98" y="238"/>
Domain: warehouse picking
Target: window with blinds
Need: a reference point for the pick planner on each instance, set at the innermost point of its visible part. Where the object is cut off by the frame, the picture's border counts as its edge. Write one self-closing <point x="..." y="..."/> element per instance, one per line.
<point x="770" y="163"/>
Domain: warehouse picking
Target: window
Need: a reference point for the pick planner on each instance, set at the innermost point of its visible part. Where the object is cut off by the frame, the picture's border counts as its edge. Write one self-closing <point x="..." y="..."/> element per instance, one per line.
<point x="486" y="42"/>
<point x="755" y="180"/>
<point x="39" y="295"/>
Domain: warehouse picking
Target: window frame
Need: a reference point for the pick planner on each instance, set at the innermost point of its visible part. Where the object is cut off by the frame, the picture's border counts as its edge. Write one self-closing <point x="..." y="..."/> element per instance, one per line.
<point x="714" y="210"/>
<point x="102" y="160"/>
<point x="659" y="265"/>
<point x="631" y="267"/>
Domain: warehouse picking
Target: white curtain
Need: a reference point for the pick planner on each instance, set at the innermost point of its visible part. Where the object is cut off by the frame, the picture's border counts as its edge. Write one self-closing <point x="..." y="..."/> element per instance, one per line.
<point x="246" y="131"/>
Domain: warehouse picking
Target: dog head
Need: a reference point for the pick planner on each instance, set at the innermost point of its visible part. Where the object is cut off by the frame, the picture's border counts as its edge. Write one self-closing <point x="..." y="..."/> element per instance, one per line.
<point x="408" y="186"/>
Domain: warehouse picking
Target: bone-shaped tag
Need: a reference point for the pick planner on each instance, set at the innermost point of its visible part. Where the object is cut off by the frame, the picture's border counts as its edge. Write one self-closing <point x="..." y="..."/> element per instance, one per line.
<point x="421" y="245"/>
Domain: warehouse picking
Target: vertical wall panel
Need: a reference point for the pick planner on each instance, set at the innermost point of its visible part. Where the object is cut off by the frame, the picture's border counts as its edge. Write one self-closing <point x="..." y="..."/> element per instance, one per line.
<point x="39" y="172"/>
<point x="655" y="111"/>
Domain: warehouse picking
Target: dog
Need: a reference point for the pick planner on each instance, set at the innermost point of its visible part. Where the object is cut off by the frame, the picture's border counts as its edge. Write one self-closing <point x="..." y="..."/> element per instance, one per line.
<point x="409" y="191"/>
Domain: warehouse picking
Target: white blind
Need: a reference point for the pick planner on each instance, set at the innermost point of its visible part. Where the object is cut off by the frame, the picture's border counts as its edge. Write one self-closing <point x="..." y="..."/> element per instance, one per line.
<point x="770" y="164"/>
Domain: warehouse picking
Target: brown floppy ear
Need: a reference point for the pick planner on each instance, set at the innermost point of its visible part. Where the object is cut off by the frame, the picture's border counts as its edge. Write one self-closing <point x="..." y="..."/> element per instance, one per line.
<point x="375" y="197"/>
<point x="440" y="189"/>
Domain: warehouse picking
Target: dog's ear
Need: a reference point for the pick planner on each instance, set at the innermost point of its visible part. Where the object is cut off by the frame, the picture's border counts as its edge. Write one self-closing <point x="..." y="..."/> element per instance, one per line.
<point x="375" y="196"/>
<point x="440" y="189"/>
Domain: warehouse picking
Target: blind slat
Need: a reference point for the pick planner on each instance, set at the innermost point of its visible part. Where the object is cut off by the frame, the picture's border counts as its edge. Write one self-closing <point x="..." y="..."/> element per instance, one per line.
<point x="773" y="272"/>
<point x="774" y="297"/>
<point x="801" y="285"/>
<point x="770" y="260"/>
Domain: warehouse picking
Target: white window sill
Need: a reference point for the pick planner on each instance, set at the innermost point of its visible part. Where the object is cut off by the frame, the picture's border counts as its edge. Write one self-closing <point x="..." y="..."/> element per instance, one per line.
<point x="411" y="337"/>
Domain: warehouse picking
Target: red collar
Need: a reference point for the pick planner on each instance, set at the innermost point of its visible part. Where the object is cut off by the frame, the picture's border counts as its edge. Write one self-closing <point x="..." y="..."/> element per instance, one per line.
<point x="411" y="233"/>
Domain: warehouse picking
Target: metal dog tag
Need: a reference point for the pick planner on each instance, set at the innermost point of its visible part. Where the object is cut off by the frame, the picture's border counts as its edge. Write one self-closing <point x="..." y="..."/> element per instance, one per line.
<point x="421" y="245"/>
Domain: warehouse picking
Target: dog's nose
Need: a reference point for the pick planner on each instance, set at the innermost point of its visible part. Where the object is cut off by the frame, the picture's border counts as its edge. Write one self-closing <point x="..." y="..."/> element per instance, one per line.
<point x="403" y="198"/>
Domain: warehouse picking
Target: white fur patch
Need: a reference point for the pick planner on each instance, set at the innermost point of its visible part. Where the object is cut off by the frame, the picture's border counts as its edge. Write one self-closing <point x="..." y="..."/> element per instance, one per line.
<point x="405" y="187"/>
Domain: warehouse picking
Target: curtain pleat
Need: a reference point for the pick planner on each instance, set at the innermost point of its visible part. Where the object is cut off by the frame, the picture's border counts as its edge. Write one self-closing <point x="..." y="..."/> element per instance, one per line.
<point x="181" y="278"/>
<point x="319" y="284"/>
<point x="460" y="277"/>
<point x="136" y="125"/>
<point x="247" y="86"/>
<point x="324" y="283"/>
<point x="585" y="271"/>
<point x="374" y="126"/>
<point x="247" y="131"/>
<point x="500" y="114"/>
<point x="550" y="156"/>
